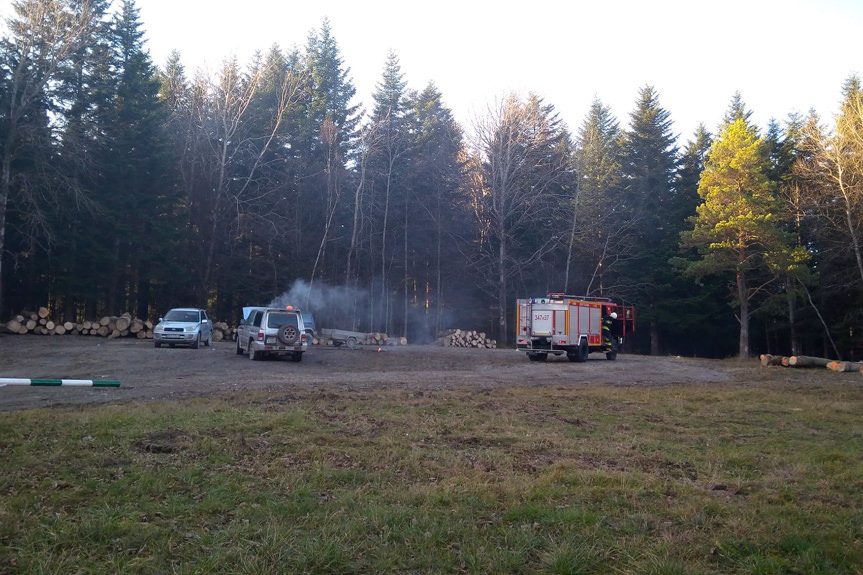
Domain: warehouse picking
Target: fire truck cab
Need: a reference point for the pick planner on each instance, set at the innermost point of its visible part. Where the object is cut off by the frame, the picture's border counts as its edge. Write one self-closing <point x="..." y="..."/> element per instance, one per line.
<point x="574" y="325"/>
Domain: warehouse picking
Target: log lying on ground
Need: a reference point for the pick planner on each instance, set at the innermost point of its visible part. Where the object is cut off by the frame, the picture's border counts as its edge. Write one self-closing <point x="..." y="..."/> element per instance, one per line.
<point x="844" y="366"/>
<point x="810" y="361"/>
<point x="807" y="361"/>
<point x="768" y="360"/>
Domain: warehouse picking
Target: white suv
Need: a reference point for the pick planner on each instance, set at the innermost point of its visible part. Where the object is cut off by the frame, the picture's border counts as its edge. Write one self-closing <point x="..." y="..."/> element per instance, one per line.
<point x="272" y="331"/>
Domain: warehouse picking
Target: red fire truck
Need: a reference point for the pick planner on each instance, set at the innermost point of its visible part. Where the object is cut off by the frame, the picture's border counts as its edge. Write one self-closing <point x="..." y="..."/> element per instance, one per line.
<point x="574" y="325"/>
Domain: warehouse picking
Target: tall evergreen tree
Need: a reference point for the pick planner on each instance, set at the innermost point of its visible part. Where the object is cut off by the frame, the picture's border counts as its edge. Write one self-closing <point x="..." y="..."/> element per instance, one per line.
<point x="594" y="232"/>
<point x="324" y="140"/>
<point x="388" y="165"/>
<point x="649" y="198"/>
<point x="432" y="217"/>
<point x="140" y="185"/>
<point x="82" y="266"/>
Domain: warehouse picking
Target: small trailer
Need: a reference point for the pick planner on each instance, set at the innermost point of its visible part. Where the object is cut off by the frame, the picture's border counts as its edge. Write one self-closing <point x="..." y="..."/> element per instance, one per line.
<point x="344" y="337"/>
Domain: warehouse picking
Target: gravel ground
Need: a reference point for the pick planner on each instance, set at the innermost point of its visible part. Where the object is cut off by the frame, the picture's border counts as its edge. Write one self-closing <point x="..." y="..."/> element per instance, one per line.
<point x="148" y="373"/>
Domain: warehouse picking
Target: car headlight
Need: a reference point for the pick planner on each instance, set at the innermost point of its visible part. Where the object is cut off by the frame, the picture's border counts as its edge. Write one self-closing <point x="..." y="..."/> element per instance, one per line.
<point x="191" y="328"/>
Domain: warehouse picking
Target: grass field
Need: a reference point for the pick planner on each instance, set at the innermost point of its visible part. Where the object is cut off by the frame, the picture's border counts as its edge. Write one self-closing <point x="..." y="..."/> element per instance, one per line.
<point x="742" y="478"/>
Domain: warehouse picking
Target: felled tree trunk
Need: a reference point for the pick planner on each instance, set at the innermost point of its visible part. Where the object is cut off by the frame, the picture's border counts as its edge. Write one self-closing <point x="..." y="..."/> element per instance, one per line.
<point x="807" y="361"/>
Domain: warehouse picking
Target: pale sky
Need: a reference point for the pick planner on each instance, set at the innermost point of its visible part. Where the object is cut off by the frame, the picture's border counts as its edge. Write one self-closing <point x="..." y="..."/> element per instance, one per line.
<point x="782" y="55"/>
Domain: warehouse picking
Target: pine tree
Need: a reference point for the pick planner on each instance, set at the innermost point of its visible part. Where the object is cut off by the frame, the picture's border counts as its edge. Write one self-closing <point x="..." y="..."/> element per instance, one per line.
<point x="736" y="226"/>
<point x="694" y="321"/>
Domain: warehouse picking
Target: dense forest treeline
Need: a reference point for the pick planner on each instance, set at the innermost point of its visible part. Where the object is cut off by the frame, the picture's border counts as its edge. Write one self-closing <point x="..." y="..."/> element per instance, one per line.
<point x="127" y="186"/>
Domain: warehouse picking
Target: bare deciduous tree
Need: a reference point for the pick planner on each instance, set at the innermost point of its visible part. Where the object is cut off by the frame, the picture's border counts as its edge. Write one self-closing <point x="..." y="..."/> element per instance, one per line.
<point x="831" y="168"/>
<point x="234" y="149"/>
<point x="522" y="163"/>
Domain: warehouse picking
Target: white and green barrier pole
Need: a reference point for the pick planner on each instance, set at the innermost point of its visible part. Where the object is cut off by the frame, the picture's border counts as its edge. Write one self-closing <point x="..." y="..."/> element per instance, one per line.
<point x="4" y="381"/>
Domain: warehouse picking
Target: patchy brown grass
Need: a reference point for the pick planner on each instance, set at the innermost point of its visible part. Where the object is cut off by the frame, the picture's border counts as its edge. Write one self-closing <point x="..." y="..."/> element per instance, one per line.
<point x="758" y="477"/>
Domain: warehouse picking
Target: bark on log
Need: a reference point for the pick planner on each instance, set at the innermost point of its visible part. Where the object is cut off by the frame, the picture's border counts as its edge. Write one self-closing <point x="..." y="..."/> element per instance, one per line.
<point x="807" y="361"/>
<point x="844" y="366"/>
<point x="769" y="360"/>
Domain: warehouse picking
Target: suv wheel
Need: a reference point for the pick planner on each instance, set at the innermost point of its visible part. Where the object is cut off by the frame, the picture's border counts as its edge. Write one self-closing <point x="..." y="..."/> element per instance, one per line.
<point x="254" y="355"/>
<point x="287" y="334"/>
<point x="197" y="343"/>
<point x="239" y="349"/>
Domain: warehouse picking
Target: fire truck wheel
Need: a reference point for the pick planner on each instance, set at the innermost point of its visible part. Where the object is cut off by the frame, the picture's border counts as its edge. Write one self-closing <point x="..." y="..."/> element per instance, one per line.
<point x="533" y="356"/>
<point x="583" y="349"/>
<point x="611" y="355"/>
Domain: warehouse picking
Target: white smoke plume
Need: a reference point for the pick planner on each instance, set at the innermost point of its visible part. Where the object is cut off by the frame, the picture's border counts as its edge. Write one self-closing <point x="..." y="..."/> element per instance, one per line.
<point x="337" y="307"/>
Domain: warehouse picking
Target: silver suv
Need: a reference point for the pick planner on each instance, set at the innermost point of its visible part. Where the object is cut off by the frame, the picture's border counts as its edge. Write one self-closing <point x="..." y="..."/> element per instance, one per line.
<point x="272" y="331"/>
<point x="184" y="326"/>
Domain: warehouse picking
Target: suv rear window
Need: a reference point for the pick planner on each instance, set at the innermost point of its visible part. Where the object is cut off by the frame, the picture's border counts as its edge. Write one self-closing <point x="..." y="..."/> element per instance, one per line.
<point x="280" y="319"/>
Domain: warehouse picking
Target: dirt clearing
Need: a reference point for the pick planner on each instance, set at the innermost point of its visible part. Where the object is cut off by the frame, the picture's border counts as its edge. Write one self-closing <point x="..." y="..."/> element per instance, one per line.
<point x="148" y="373"/>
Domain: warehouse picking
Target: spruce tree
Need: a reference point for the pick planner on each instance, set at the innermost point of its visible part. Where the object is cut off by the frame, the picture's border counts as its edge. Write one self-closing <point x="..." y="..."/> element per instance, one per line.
<point x="388" y="164"/>
<point x="594" y="231"/>
<point x="649" y="198"/>
<point x="432" y="217"/>
<point x="141" y="185"/>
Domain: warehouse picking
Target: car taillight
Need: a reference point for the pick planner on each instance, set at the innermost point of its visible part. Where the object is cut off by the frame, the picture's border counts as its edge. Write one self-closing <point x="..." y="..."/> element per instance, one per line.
<point x="305" y="335"/>
<point x="260" y="336"/>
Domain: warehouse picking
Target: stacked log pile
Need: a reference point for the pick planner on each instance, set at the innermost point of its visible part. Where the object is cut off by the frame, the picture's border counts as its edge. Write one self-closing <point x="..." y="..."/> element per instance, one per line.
<point x="40" y="323"/>
<point x="466" y="338"/>
<point x="222" y="331"/>
<point x="124" y="325"/>
<point x="801" y="361"/>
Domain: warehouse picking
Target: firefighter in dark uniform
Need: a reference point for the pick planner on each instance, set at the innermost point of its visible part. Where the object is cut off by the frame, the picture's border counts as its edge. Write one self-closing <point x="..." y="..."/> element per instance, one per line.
<point x="607" y="324"/>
